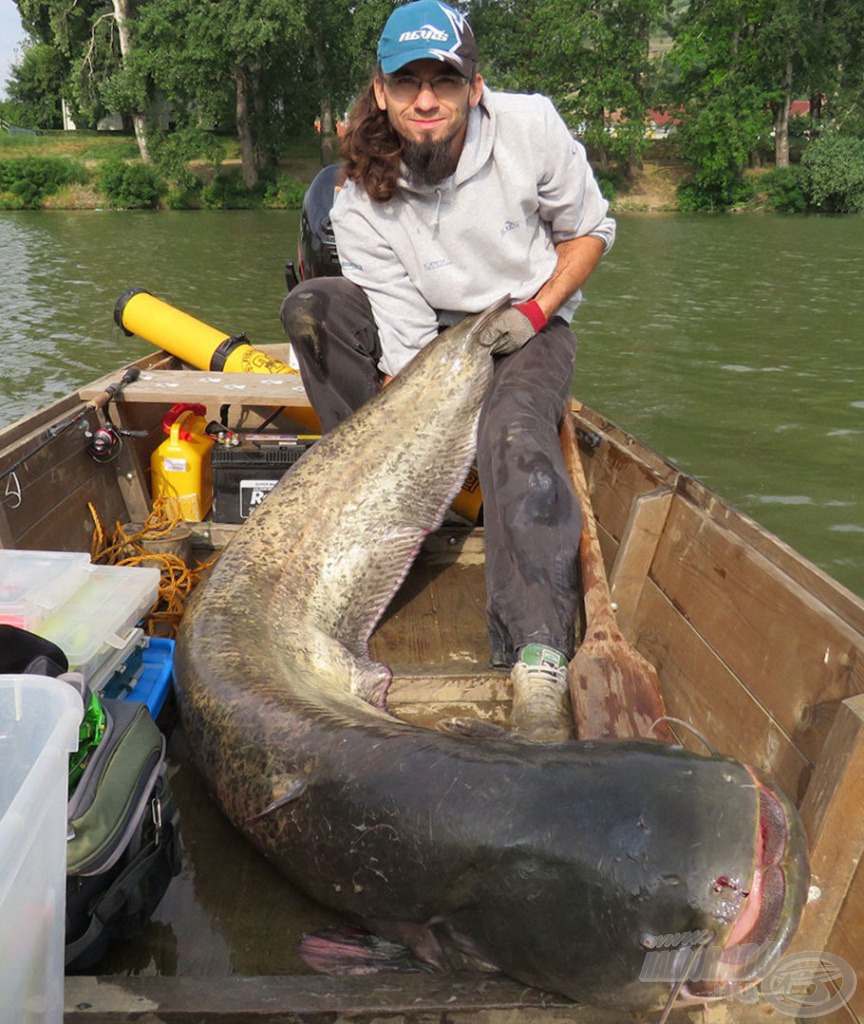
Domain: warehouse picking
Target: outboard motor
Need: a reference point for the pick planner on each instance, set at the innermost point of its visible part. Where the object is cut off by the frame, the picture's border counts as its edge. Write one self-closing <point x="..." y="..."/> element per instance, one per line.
<point x="316" y="250"/>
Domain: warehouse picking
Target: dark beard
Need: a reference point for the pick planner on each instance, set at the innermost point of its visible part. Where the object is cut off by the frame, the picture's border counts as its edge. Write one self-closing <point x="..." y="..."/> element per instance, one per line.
<point x="428" y="163"/>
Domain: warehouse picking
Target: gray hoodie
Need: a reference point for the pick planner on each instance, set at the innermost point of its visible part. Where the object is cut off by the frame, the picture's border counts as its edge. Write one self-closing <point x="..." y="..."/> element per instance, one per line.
<point x="433" y="254"/>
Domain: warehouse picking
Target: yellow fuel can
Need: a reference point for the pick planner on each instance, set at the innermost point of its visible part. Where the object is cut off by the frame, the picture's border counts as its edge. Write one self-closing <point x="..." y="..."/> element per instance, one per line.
<point x="180" y="469"/>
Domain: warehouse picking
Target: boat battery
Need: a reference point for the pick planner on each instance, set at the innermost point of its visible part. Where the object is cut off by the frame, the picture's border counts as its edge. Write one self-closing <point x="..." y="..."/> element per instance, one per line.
<point x="243" y="475"/>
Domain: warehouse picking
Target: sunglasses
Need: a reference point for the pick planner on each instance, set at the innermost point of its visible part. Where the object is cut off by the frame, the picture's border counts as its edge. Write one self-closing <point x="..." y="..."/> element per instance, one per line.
<point x="406" y="88"/>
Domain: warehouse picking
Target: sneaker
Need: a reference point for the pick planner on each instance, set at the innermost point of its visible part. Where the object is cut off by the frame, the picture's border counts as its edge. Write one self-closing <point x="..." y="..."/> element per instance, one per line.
<point x="541" y="698"/>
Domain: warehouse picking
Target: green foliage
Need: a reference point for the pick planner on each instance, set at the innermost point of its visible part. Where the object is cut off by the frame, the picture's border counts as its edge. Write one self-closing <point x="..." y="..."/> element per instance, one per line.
<point x="15" y="113"/>
<point x="608" y="186"/>
<point x="714" y="194"/>
<point x="133" y="186"/>
<point x="227" y="192"/>
<point x="834" y="164"/>
<point x="285" y="194"/>
<point x="589" y="56"/>
<point x="34" y="87"/>
<point x="786" y="189"/>
<point x="11" y="201"/>
<point x="184" y="198"/>
<point x="26" y="181"/>
<point x="173" y="151"/>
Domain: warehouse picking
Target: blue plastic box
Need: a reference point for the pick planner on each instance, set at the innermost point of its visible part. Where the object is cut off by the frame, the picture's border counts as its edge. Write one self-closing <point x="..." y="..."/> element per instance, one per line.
<point x="149" y="682"/>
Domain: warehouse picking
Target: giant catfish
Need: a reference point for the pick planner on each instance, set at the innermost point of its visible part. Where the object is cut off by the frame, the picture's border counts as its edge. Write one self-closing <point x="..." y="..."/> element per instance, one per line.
<point x="563" y="865"/>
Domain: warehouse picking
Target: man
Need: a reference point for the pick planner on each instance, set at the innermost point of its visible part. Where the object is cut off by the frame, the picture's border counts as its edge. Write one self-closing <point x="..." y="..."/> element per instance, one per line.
<point x="453" y="197"/>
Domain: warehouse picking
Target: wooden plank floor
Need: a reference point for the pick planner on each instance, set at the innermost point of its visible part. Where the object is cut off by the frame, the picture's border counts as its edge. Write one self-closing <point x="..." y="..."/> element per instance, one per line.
<point x="434" y="636"/>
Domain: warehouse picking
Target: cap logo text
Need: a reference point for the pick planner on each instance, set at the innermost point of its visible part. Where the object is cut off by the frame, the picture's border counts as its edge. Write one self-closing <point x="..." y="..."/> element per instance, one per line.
<point x="428" y="34"/>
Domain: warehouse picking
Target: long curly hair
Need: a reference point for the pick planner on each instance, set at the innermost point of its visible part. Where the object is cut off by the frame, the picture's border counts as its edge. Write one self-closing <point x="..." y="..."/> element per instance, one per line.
<point x="371" y="150"/>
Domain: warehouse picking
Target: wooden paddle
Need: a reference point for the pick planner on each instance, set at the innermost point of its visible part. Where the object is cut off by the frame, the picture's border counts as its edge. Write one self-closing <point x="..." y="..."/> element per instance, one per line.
<point x="614" y="690"/>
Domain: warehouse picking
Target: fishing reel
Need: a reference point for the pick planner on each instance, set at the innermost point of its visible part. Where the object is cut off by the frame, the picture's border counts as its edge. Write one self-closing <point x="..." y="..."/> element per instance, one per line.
<point x="104" y="443"/>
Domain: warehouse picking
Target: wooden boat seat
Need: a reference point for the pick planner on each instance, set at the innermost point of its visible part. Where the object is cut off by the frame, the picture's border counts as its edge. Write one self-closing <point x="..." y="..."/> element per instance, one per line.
<point x="168" y="386"/>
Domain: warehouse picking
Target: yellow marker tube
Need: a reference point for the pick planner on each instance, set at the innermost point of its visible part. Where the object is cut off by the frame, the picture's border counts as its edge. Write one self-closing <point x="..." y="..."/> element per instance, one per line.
<point x="199" y="344"/>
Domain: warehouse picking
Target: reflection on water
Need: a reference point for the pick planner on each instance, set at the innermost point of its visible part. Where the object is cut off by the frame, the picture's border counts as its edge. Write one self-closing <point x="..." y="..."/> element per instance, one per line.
<point x="732" y="345"/>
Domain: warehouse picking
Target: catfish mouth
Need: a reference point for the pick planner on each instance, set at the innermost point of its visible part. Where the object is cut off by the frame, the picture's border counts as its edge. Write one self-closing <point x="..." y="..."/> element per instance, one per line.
<point x="770" y="908"/>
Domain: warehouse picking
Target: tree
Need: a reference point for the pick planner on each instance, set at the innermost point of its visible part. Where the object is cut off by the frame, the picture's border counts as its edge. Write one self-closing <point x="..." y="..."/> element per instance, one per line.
<point x="198" y="53"/>
<point x="717" y="85"/>
<point x="96" y="46"/>
<point x="589" y="56"/>
<point x="36" y="85"/>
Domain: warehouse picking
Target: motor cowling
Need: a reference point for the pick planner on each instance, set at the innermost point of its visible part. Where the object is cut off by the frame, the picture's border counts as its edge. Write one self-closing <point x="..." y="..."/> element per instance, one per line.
<point x="317" y="255"/>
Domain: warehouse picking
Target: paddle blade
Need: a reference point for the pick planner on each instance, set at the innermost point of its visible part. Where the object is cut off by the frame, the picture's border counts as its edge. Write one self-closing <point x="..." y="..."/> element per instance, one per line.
<point x="615" y="691"/>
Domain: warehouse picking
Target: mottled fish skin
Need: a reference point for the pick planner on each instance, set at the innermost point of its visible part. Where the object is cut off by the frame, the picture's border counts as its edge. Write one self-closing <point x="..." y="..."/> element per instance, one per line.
<point x="555" y="863"/>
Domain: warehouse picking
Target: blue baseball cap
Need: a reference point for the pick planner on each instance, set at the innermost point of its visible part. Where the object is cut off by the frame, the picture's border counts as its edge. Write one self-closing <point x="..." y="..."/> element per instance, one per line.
<point x="427" y="29"/>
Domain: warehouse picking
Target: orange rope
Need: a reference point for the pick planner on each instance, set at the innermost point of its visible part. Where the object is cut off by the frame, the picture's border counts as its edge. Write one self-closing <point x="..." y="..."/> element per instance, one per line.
<point x="177" y="579"/>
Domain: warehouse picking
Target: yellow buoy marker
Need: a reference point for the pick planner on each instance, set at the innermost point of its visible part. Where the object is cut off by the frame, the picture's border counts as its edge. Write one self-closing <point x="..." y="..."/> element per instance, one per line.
<point x="199" y="344"/>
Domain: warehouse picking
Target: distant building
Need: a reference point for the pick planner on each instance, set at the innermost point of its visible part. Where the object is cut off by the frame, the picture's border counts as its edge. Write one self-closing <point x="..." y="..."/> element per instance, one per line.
<point x="159" y="112"/>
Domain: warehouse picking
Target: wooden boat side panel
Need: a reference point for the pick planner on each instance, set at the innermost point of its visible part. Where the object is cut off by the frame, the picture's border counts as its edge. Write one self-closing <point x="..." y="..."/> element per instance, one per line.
<point x="615" y="478"/>
<point x="15" y="439"/>
<point x="847" y="941"/>
<point x="55" y="485"/>
<point x="377" y="999"/>
<point x="796" y="656"/>
<point x="831" y="813"/>
<point x="603" y="468"/>
<point x="701" y="689"/>
<point x="823" y="588"/>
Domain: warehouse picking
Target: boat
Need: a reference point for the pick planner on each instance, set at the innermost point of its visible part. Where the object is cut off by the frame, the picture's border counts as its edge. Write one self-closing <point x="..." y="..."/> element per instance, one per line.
<point x="759" y="653"/>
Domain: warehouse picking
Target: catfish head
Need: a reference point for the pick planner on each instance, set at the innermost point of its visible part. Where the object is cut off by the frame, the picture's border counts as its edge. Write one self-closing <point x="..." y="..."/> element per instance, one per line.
<point x="665" y="872"/>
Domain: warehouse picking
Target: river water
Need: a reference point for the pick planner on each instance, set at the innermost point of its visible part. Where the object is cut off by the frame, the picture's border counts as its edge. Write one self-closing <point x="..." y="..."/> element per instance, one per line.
<point x="732" y="345"/>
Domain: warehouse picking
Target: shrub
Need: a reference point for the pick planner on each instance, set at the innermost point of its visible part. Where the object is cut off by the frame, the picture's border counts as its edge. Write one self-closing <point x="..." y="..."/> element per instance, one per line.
<point x="285" y="194"/>
<point x="11" y="201"/>
<point x="130" y="186"/>
<point x="834" y="164"/>
<point x="786" y="189"/>
<point x="32" y="178"/>
<point x="704" y="194"/>
<point x="184" y="198"/>
<point x="608" y="187"/>
<point x="173" y="151"/>
<point x="227" y="192"/>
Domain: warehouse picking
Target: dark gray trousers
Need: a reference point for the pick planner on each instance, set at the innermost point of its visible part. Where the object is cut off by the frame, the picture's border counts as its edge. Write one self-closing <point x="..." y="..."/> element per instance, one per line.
<point x="531" y="516"/>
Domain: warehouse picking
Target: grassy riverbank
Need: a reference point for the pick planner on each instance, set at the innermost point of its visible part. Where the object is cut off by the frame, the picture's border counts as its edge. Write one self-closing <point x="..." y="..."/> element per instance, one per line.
<point x="102" y="170"/>
<point x="83" y="171"/>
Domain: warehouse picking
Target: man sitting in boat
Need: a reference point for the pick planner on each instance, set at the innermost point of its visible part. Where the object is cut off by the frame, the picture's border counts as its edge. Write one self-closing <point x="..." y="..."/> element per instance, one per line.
<point x="453" y="196"/>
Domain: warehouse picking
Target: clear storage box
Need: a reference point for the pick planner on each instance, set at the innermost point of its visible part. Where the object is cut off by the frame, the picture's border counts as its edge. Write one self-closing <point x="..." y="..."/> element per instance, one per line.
<point x="34" y="584"/>
<point x="39" y="720"/>
<point x="97" y="619"/>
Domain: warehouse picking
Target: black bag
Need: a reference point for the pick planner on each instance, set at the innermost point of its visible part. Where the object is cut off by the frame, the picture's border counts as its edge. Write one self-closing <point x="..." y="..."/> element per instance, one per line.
<point x="123" y="844"/>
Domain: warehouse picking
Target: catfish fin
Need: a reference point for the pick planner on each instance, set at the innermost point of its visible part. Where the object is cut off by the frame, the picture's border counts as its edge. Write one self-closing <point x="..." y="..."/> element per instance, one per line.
<point x="472" y="727"/>
<point x="344" y="949"/>
<point x="285" y="789"/>
<point x="480" y="329"/>
<point x="370" y="681"/>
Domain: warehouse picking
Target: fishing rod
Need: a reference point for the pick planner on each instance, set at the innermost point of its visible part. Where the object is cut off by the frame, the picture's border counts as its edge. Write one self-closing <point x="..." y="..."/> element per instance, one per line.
<point x="99" y="443"/>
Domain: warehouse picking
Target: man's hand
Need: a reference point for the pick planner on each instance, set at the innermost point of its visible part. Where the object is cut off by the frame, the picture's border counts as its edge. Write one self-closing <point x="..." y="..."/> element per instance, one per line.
<point x="513" y="327"/>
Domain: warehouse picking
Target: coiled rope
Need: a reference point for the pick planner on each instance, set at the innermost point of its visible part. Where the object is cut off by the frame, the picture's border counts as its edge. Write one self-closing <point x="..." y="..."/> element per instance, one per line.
<point x="177" y="578"/>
